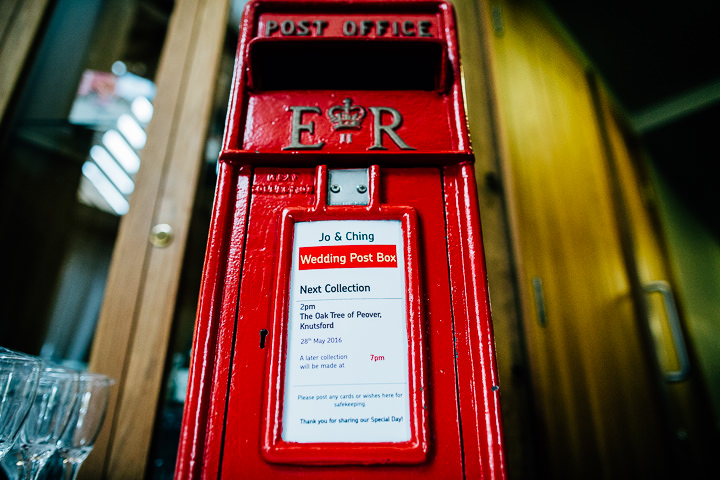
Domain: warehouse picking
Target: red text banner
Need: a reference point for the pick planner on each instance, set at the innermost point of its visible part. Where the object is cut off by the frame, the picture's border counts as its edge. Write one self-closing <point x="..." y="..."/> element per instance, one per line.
<point x="347" y="256"/>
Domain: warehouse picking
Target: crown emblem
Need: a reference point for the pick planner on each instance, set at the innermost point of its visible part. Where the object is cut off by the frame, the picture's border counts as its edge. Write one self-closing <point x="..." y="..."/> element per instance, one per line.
<point x="346" y="116"/>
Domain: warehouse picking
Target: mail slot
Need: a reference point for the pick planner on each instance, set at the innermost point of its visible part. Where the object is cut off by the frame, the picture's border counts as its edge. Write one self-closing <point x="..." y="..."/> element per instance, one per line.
<point x="343" y="327"/>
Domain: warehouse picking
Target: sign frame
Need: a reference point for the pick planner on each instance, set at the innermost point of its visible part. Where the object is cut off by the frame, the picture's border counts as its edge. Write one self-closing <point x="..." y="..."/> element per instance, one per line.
<point x="415" y="450"/>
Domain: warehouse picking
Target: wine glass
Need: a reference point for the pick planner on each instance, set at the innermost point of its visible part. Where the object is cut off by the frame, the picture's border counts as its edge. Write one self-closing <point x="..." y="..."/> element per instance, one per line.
<point x="48" y="416"/>
<point x="86" y="419"/>
<point x="18" y="381"/>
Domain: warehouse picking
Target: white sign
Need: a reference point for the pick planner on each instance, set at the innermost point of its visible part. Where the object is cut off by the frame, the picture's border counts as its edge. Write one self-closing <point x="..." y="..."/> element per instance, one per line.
<point x="346" y="370"/>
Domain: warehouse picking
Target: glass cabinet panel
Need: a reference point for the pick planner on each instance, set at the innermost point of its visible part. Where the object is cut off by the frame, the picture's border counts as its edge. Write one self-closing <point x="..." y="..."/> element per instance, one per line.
<point x="71" y="145"/>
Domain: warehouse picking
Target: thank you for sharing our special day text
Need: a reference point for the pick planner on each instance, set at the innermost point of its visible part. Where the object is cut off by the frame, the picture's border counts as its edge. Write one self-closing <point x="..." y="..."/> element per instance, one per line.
<point x="346" y="374"/>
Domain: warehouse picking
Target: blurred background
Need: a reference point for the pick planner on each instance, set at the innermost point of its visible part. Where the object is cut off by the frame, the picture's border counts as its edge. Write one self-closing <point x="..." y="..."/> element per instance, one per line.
<point x="594" y="126"/>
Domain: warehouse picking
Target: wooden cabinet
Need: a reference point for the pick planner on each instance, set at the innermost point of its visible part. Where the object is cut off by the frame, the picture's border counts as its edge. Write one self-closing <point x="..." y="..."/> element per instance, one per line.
<point x="136" y="320"/>
<point x="592" y="382"/>
<point x="584" y="246"/>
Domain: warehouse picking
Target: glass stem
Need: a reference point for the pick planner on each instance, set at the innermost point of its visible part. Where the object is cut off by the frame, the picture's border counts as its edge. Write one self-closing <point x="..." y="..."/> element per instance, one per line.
<point x="35" y="470"/>
<point x="29" y="470"/>
<point x="70" y="469"/>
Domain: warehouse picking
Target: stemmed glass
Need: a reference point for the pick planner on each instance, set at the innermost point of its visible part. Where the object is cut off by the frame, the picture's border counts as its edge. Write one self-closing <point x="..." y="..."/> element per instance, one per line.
<point x="48" y="416"/>
<point x="18" y="381"/>
<point x="87" y="417"/>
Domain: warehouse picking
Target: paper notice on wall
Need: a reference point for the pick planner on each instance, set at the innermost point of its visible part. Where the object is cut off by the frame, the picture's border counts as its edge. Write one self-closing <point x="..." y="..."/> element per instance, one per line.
<point x="346" y="370"/>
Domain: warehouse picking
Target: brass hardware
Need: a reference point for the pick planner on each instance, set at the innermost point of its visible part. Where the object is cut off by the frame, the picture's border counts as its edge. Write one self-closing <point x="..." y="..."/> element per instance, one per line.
<point x="161" y="235"/>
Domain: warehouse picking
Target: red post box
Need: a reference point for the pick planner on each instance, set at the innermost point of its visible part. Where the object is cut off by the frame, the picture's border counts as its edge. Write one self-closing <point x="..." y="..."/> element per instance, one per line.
<point x="344" y="329"/>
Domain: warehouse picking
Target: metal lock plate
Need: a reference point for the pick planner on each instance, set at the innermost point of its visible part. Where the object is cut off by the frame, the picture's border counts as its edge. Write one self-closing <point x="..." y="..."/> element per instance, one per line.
<point x="348" y="186"/>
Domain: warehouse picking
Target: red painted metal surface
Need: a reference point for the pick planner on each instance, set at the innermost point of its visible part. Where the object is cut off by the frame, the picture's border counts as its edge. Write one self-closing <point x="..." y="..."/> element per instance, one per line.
<point x="282" y="136"/>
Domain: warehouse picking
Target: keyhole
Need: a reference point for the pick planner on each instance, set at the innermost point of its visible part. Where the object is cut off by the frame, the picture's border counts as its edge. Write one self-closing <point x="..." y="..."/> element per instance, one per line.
<point x="263" y="334"/>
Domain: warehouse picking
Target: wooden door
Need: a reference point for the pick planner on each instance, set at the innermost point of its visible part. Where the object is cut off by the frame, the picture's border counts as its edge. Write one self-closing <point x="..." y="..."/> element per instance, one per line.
<point x="687" y="413"/>
<point x="593" y="378"/>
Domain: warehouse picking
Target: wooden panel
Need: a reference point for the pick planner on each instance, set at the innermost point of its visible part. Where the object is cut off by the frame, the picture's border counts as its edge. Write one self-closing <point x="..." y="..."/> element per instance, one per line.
<point x="135" y="322"/>
<point x="592" y="384"/>
<point x="19" y="22"/>
<point x="474" y="30"/>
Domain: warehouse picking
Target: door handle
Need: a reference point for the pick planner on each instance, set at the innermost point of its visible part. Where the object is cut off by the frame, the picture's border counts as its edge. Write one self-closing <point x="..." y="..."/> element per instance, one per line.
<point x="673" y="319"/>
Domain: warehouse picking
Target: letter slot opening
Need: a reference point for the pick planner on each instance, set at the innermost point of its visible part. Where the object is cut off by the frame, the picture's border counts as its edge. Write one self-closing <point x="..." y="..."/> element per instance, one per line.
<point x="311" y="64"/>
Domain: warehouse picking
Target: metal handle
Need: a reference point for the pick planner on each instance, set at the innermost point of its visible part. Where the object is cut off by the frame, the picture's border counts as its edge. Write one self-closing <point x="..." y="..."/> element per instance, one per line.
<point x="676" y="333"/>
<point x="539" y="301"/>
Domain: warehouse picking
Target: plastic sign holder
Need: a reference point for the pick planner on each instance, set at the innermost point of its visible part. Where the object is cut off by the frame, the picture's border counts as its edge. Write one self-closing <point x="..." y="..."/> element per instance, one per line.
<point x="363" y="377"/>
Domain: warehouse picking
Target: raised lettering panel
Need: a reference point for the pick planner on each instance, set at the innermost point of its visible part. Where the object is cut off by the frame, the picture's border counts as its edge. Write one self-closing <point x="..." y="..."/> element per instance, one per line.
<point x="299" y="121"/>
<point x="365" y="25"/>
